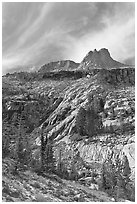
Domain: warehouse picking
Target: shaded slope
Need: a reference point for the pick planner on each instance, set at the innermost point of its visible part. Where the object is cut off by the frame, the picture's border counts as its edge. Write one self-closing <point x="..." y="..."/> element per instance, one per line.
<point x="27" y="186"/>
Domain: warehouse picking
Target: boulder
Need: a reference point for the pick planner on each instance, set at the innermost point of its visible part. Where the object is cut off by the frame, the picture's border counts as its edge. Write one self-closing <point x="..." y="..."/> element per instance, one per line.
<point x="94" y="186"/>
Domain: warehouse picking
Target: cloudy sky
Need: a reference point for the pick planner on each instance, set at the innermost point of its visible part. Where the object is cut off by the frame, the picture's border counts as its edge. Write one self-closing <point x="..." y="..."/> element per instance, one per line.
<point x="36" y="33"/>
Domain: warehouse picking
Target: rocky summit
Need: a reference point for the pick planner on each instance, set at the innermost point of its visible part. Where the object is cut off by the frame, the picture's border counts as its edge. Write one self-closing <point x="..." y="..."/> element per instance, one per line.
<point x="68" y="132"/>
<point x="99" y="59"/>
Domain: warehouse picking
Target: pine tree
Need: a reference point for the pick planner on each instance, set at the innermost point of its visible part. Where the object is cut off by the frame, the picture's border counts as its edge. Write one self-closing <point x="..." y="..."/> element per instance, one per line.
<point x="61" y="167"/>
<point x="126" y="168"/>
<point x="47" y="153"/>
<point x="90" y="121"/>
<point x="43" y="147"/>
<point x="116" y="175"/>
<point x="23" y="151"/>
<point x="80" y="121"/>
<point x="6" y="129"/>
<point x="120" y="187"/>
<point x="74" y="173"/>
<point x="103" y="184"/>
<point x="8" y="134"/>
<point x="59" y="163"/>
<point x="49" y="157"/>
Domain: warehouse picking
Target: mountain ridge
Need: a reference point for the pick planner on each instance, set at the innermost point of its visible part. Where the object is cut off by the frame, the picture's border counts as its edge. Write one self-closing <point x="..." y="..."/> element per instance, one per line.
<point x="93" y="60"/>
<point x="87" y="115"/>
<point x="59" y="65"/>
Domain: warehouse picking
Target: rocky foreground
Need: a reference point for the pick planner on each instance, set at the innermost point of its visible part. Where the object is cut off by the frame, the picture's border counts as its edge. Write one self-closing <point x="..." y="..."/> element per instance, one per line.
<point x="97" y="153"/>
<point x="30" y="187"/>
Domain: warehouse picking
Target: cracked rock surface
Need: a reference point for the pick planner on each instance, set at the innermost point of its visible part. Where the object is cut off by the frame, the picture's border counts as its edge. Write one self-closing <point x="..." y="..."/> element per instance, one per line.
<point x="55" y="104"/>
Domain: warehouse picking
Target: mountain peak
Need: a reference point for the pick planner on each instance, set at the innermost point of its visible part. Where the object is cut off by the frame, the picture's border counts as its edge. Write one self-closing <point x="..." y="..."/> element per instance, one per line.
<point x="99" y="59"/>
<point x="59" y="65"/>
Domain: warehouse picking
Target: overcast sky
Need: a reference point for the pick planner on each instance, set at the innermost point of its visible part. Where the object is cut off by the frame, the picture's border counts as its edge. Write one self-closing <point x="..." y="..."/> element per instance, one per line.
<point x="36" y="33"/>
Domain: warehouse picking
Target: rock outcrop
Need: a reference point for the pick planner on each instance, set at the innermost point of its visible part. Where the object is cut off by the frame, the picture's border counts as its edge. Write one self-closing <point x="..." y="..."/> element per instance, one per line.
<point x="84" y="133"/>
<point x="30" y="187"/>
<point x="99" y="59"/>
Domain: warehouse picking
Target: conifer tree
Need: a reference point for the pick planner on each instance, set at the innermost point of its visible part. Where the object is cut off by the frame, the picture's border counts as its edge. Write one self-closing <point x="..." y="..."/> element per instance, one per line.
<point x="126" y="168"/>
<point x="49" y="157"/>
<point x="59" y="163"/>
<point x="61" y="167"/>
<point x="80" y="121"/>
<point x="9" y="133"/>
<point x="43" y="147"/>
<point x="23" y="151"/>
<point x="116" y="175"/>
<point x="90" y="121"/>
<point x="6" y="131"/>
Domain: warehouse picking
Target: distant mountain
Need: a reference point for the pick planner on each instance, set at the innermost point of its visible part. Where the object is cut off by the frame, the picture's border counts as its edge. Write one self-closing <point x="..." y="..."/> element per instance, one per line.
<point x="99" y="59"/>
<point x="68" y="132"/>
<point x="94" y="62"/>
<point x="64" y="65"/>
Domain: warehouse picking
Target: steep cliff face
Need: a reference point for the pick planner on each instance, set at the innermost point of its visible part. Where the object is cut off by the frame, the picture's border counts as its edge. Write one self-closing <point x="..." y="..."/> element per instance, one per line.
<point x="90" y="117"/>
<point x="118" y="122"/>
<point x="116" y="135"/>
<point x="118" y="75"/>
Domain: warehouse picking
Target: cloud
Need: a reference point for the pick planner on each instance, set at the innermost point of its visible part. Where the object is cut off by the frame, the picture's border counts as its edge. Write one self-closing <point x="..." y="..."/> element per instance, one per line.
<point x="117" y="34"/>
<point x="18" y="53"/>
<point x="28" y="29"/>
<point x="25" y="37"/>
<point x="37" y="33"/>
<point x="31" y="54"/>
<point x="118" y="38"/>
